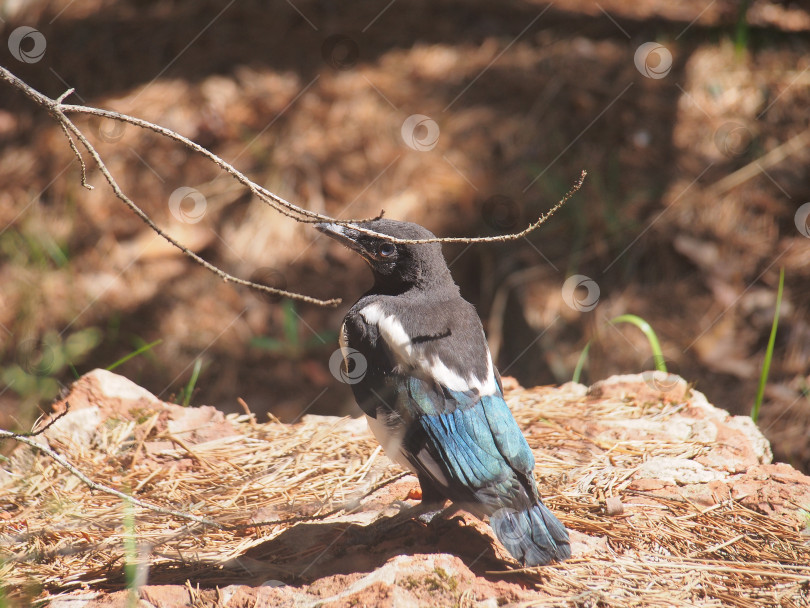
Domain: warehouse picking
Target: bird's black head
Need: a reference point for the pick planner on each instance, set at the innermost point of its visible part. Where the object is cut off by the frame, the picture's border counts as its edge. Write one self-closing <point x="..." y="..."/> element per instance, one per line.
<point x="397" y="267"/>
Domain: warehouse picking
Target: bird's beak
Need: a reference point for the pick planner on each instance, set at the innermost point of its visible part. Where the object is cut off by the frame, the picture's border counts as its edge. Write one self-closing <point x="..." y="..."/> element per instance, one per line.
<point x="345" y="236"/>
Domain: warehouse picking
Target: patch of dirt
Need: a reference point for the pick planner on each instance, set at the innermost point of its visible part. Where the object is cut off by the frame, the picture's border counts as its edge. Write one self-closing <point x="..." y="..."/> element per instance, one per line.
<point x="656" y="486"/>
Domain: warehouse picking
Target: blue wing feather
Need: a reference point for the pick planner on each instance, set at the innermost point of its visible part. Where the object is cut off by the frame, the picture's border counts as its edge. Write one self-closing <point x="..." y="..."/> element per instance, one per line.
<point x="507" y="435"/>
<point x="487" y="464"/>
<point x="472" y="430"/>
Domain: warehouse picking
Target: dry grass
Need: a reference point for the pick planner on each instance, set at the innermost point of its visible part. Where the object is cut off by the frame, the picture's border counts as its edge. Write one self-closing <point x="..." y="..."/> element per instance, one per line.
<point x="57" y="535"/>
<point x="65" y="534"/>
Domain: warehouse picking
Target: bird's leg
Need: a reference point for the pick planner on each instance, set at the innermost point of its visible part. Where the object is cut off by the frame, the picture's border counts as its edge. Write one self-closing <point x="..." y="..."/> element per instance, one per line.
<point x="431" y="495"/>
<point x="433" y="500"/>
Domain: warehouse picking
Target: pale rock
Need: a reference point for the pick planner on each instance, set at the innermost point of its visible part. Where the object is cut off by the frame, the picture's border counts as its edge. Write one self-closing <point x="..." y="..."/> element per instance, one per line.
<point x="680" y="471"/>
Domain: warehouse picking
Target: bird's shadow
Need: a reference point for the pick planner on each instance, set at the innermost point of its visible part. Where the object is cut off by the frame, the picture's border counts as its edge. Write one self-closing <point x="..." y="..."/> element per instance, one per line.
<point x="310" y="551"/>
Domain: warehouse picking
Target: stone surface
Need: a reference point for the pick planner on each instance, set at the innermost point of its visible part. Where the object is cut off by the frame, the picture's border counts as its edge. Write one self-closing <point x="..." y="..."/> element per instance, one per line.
<point x="102" y="395"/>
<point x="624" y="449"/>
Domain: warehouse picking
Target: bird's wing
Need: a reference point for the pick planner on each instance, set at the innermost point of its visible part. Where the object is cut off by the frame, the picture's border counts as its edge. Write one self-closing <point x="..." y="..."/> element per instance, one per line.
<point x="485" y="466"/>
<point x="475" y="441"/>
<point x="456" y="428"/>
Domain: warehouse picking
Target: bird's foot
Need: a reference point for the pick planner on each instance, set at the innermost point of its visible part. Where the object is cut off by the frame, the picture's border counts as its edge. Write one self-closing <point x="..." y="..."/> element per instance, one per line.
<point x="438" y="513"/>
<point x="426" y="513"/>
<point x="431" y="512"/>
<point x="427" y="517"/>
<point x="414" y="494"/>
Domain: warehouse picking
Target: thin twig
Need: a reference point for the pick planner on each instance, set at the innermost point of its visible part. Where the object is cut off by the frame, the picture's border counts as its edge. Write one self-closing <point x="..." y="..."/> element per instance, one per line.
<point x="479" y="239"/>
<point x="289" y="209"/>
<point x="48" y="425"/>
<point x="77" y="153"/>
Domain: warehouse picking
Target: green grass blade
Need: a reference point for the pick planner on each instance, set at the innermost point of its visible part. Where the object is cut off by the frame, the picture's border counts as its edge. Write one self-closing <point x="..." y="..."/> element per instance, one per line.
<point x="134" y="353"/>
<point x="291" y="324"/>
<point x="583" y="356"/>
<point x="766" y="364"/>
<point x="647" y="330"/>
<point x="741" y="28"/>
<point x="195" y="374"/>
<point x="130" y="555"/>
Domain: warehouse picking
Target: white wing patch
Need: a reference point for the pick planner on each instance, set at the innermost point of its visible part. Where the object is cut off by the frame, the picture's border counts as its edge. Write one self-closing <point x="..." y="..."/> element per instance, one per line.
<point x="343" y="341"/>
<point x="432" y="467"/>
<point x="409" y="357"/>
<point x="392" y="332"/>
<point x="391" y="441"/>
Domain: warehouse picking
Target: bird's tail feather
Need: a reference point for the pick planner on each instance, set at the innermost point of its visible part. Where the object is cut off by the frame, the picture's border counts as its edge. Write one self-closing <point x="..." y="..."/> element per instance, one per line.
<point x="534" y="536"/>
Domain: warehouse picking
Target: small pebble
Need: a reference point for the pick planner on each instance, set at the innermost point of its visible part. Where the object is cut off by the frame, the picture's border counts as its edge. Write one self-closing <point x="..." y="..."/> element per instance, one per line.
<point x="614" y="505"/>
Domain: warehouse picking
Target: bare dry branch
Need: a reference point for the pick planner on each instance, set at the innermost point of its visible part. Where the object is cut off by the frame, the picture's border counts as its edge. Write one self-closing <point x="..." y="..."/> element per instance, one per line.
<point x="57" y="110"/>
<point x="60" y="110"/>
<point x="480" y="239"/>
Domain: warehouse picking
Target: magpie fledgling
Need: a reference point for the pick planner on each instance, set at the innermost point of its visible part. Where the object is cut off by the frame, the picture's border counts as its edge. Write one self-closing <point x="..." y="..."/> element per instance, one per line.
<point x="432" y="395"/>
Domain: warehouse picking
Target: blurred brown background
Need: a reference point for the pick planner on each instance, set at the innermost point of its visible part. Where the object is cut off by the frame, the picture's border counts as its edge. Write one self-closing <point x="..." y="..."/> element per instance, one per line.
<point x="310" y="98"/>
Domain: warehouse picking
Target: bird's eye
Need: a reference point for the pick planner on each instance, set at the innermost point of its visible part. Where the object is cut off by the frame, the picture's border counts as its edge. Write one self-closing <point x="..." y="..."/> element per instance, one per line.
<point x="387" y="249"/>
